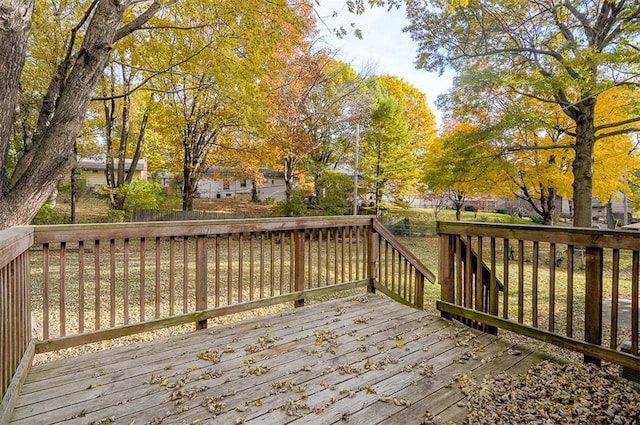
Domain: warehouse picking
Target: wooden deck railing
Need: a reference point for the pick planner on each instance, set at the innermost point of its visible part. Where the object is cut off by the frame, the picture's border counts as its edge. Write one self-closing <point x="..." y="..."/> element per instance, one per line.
<point x="16" y="347"/>
<point x="94" y="282"/>
<point x="554" y="284"/>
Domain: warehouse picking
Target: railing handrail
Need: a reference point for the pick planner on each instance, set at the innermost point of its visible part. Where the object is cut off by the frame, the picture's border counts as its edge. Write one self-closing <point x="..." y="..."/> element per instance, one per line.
<point x="74" y="232"/>
<point x="578" y="236"/>
<point x="13" y="242"/>
<point x="411" y="258"/>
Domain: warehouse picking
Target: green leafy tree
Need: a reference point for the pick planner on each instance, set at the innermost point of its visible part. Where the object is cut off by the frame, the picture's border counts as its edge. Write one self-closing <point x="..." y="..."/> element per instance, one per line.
<point x="562" y="53"/>
<point x="388" y="162"/>
<point x="335" y="192"/>
<point x="458" y="165"/>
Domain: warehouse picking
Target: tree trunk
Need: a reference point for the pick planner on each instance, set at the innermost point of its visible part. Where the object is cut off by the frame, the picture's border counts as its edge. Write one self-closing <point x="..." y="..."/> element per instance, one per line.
<point x="549" y="206"/>
<point x="50" y="160"/>
<point x="289" y="173"/>
<point x="583" y="164"/>
<point x="39" y="170"/>
<point x="15" y="24"/>
<point x="188" y="189"/>
<point x="611" y="222"/>
<point x="254" y="191"/>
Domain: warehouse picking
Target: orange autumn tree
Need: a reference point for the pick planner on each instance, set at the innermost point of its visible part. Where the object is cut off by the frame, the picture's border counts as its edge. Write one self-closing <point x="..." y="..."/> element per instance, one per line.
<point x="461" y="163"/>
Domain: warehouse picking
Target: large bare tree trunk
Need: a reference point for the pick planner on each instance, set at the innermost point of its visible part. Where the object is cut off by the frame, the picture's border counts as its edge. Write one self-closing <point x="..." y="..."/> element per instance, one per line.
<point x="39" y="170"/>
<point x="583" y="164"/>
<point x="15" y="24"/>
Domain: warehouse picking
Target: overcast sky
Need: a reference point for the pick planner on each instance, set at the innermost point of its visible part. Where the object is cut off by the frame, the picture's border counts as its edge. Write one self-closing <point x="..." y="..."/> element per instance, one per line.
<point x="383" y="45"/>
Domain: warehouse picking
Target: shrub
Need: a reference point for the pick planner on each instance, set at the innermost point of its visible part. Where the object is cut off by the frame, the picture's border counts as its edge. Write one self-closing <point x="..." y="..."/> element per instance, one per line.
<point x="50" y="215"/>
<point x="292" y="207"/>
<point x="470" y="208"/>
<point x="335" y="193"/>
<point x="142" y="194"/>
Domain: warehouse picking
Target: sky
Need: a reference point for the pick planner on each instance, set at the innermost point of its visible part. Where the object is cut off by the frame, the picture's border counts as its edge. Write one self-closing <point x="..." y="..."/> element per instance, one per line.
<point x="383" y="45"/>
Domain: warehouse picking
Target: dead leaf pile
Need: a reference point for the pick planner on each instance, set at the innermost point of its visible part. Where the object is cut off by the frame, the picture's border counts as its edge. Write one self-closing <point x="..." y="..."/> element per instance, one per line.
<point x="550" y="393"/>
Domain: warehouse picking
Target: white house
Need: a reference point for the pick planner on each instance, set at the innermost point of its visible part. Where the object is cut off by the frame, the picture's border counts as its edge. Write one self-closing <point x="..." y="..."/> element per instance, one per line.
<point x="92" y="171"/>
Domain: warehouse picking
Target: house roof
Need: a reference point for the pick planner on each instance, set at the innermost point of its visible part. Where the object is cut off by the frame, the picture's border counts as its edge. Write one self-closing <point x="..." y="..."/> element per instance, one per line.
<point x="101" y="164"/>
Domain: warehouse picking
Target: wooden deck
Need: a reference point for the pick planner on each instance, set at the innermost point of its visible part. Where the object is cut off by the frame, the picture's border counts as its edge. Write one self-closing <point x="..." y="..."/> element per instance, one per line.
<point x="364" y="360"/>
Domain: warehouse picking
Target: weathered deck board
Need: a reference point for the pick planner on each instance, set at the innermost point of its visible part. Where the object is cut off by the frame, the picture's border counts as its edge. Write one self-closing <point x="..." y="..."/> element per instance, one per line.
<point x="320" y="364"/>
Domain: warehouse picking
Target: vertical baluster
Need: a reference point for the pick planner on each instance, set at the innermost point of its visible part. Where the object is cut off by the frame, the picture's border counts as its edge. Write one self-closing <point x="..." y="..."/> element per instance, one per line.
<point x="172" y="272"/>
<point x="615" y="295"/>
<point x="635" y="293"/>
<point x="335" y="256"/>
<point x="217" y="275"/>
<point x="358" y="276"/>
<point x="479" y="277"/>
<point x="327" y="258"/>
<point x="534" y="284"/>
<point x="62" y="297"/>
<point x="386" y="263"/>
<point x="158" y="295"/>
<point x="125" y="281"/>
<point x="310" y="260"/>
<point x="143" y="266"/>
<point x="273" y="262"/>
<point x="251" y="268"/>
<point x="468" y="274"/>
<point x="112" y="282"/>
<point x="240" y="265"/>
<point x="520" y="281"/>
<point x="350" y="254"/>
<point x="96" y="282"/>
<point x="505" y="279"/>
<point x="292" y="261"/>
<point x="342" y="268"/>
<point x="570" y="290"/>
<point x="229" y="270"/>
<point x="552" y="286"/>
<point x="319" y="257"/>
<point x="458" y="271"/>
<point x="406" y="278"/>
<point x="262" y="265"/>
<point x="281" y="263"/>
<point x="185" y="274"/>
<point x="393" y="269"/>
<point x="493" y="284"/>
<point x="81" y="286"/>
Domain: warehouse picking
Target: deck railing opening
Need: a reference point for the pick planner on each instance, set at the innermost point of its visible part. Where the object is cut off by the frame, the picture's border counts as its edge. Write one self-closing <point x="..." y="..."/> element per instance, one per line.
<point x="576" y="288"/>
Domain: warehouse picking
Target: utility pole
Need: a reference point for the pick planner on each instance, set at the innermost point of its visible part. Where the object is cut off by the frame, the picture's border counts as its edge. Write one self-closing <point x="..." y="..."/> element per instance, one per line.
<point x="355" y="171"/>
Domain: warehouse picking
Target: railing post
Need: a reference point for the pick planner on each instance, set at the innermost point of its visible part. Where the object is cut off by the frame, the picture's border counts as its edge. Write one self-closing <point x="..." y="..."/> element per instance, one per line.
<point x="593" y="300"/>
<point x="372" y="255"/>
<point x="419" y="290"/>
<point x="298" y="236"/>
<point x="446" y="261"/>
<point x="201" y="278"/>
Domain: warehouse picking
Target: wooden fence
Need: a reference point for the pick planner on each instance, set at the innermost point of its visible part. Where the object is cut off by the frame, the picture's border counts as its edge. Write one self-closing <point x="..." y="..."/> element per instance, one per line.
<point x="546" y="283"/>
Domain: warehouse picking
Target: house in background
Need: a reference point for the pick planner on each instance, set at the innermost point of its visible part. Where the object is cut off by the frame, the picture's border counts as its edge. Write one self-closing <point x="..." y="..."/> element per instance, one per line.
<point x="92" y="171"/>
<point x="620" y="208"/>
<point x="225" y="183"/>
